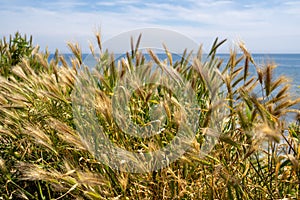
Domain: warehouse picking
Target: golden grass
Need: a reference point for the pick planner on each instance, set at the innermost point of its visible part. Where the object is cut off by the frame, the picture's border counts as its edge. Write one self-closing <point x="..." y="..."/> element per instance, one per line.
<point x="42" y="156"/>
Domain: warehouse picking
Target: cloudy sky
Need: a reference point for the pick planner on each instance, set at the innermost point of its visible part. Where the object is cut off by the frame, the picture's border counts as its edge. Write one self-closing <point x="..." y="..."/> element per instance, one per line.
<point x="265" y="26"/>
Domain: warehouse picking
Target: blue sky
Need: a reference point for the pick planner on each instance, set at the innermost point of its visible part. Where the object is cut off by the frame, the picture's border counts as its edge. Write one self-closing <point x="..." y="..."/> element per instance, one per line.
<point x="265" y="26"/>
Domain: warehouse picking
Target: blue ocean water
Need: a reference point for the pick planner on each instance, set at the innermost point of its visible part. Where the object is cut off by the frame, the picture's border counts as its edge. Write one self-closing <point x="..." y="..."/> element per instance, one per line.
<point x="287" y="65"/>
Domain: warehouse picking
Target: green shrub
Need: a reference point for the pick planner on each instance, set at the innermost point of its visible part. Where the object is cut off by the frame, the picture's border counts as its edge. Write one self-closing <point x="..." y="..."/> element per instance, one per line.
<point x="12" y="52"/>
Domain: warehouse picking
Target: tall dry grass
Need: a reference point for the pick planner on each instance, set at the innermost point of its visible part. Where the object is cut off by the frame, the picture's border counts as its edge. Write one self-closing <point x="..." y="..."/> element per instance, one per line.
<point x="42" y="156"/>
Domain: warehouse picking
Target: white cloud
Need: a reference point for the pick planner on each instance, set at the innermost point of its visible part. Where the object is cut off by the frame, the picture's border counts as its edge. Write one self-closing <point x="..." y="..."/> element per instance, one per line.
<point x="107" y="3"/>
<point x="264" y="25"/>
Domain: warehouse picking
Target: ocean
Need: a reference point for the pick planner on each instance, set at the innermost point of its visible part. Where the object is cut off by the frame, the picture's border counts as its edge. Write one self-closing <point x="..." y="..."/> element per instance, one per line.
<point x="287" y="65"/>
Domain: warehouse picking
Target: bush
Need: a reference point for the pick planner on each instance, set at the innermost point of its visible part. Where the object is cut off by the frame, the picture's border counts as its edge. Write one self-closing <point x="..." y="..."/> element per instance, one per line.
<point x="12" y="52"/>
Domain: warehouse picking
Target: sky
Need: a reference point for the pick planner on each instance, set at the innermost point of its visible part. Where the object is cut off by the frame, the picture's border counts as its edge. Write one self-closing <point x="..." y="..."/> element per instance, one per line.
<point x="264" y="26"/>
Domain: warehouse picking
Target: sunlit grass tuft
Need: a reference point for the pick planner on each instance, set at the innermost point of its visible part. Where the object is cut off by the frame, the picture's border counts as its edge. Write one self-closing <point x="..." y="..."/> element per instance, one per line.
<point x="43" y="157"/>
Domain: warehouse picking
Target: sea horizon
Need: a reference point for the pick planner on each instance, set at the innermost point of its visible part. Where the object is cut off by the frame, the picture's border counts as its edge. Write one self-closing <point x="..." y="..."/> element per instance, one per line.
<point x="288" y="64"/>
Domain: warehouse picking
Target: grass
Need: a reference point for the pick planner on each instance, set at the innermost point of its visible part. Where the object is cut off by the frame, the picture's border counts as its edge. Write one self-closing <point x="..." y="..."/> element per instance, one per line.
<point x="42" y="156"/>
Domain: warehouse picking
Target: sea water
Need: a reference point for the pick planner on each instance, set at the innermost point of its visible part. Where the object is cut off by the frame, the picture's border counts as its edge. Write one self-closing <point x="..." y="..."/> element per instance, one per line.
<point x="288" y="65"/>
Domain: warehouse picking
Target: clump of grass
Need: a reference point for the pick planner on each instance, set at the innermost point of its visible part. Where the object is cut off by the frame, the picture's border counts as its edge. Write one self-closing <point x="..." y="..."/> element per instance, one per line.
<point x="43" y="156"/>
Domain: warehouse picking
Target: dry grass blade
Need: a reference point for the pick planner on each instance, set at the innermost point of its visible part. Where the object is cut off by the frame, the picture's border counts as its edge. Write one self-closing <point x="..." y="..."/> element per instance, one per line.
<point x="40" y="137"/>
<point x="246" y="52"/>
<point x="154" y="57"/>
<point x="63" y="61"/>
<point x="215" y="46"/>
<point x="268" y="79"/>
<point x="246" y="68"/>
<point x="279" y="81"/>
<point x="67" y="134"/>
<point x="169" y="55"/>
<point x="138" y="43"/>
<point x="76" y="51"/>
<point x="99" y="42"/>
